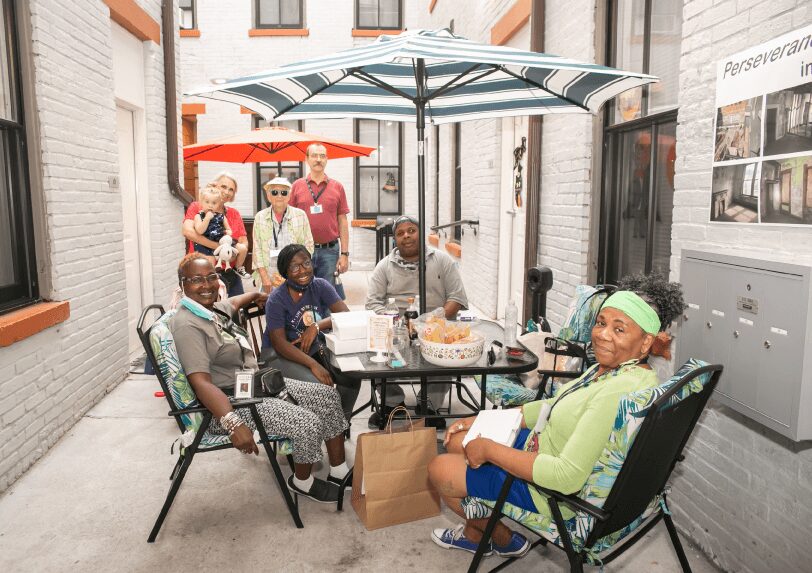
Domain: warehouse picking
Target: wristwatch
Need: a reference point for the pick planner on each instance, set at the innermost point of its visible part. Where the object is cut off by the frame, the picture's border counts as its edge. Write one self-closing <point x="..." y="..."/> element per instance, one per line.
<point x="345" y="253"/>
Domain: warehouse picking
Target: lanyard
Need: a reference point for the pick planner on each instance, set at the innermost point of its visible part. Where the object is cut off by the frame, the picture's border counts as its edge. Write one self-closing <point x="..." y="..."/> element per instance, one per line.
<point x="273" y="227"/>
<point x="316" y="197"/>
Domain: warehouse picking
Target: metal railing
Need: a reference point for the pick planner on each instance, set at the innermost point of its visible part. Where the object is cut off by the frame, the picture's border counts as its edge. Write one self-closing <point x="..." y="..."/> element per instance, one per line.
<point x="472" y="224"/>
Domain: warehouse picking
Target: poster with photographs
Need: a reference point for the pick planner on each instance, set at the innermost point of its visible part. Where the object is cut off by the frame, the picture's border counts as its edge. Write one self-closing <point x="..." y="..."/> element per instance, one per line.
<point x="762" y="155"/>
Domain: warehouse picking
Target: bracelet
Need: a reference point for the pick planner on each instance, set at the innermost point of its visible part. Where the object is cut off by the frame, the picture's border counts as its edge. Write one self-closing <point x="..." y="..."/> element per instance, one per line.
<point x="230" y="422"/>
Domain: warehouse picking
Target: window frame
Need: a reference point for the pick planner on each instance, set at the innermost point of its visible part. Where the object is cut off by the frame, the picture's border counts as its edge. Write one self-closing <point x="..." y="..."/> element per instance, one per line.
<point x="193" y="9"/>
<point x="358" y="25"/>
<point x="357" y="167"/>
<point x="260" y="26"/>
<point x="25" y="291"/>
<point x="610" y="173"/>
<point x="259" y="197"/>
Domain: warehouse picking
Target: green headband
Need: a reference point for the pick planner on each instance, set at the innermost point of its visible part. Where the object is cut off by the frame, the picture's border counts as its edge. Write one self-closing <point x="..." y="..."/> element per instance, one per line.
<point x="635" y="308"/>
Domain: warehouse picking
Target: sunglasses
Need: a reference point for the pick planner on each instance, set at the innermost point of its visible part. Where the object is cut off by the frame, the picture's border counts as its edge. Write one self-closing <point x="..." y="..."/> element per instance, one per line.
<point x="199" y="280"/>
<point x="275" y="192"/>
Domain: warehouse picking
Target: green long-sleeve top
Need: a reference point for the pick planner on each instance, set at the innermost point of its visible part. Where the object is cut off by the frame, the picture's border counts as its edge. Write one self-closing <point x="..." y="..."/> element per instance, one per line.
<point x="579" y="427"/>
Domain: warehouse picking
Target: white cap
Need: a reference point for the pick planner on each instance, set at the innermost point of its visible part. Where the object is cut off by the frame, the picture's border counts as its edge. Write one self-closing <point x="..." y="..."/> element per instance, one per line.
<point x="281" y="181"/>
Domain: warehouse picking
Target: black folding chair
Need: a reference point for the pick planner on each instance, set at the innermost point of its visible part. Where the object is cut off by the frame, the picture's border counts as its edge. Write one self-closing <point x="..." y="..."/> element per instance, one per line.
<point x="184" y="413"/>
<point x="656" y="449"/>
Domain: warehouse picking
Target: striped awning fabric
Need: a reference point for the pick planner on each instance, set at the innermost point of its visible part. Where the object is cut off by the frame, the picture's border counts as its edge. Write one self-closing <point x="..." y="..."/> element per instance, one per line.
<point x="463" y="80"/>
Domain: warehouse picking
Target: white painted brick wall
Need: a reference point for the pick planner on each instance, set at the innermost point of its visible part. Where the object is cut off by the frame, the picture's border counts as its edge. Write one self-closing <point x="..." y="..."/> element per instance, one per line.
<point x="743" y="491"/>
<point x="52" y="378"/>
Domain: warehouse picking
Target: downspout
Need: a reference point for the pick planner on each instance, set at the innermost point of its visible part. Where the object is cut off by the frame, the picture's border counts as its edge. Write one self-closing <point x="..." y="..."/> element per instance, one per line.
<point x="171" y="103"/>
<point x="533" y="164"/>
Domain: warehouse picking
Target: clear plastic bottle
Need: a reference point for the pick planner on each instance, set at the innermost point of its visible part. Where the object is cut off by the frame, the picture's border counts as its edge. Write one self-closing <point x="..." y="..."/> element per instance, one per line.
<point x="411" y="315"/>
<point x="511" y="318"/>
<point x="391" y="310"/>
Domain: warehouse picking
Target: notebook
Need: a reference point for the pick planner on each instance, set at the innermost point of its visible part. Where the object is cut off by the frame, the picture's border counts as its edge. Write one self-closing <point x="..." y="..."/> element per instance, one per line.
<point x="501" y="426"/>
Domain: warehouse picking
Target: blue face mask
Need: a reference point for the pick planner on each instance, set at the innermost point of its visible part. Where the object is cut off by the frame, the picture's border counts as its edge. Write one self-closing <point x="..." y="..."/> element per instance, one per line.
<point x="196" y="308"/>
<point x="299" y="288"/>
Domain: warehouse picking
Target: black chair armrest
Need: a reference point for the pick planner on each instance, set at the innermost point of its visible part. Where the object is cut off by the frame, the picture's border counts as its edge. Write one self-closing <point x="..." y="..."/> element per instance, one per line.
<point x="560" y="373"/>
<point x="573" y="501"/>
<point x="245" y="403"/>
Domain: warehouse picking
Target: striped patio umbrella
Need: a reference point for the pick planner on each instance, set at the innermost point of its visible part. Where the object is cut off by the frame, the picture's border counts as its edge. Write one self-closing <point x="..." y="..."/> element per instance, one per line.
<point x="425" y="75"/>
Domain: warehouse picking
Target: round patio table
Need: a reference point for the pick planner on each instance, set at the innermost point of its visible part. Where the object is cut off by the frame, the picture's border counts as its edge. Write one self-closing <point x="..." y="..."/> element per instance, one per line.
<point x="417" y="367"/>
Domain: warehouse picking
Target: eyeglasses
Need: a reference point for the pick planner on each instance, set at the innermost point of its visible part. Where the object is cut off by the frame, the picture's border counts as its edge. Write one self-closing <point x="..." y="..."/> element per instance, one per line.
<point x="199" y="280"/>
<point x="275" y="192"/>
<point x="296" y="268"/>
<point x="318" y="155"/>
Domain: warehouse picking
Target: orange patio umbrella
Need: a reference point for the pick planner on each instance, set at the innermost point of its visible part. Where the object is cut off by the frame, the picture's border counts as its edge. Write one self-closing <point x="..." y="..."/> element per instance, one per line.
<point x="269" y="144"/>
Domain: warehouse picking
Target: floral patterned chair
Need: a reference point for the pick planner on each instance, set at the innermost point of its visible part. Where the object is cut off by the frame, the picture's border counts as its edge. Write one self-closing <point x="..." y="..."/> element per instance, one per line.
<point x="625" y="496"/>
<point x="193" y="419"/>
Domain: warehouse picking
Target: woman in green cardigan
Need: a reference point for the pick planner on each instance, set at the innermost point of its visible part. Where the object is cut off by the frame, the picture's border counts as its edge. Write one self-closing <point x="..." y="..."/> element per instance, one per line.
<point x="561" y="437"/>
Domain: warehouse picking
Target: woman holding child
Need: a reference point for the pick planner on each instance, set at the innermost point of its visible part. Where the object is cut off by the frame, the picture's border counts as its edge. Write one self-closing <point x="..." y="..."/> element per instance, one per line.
<point x="563" y="436"/>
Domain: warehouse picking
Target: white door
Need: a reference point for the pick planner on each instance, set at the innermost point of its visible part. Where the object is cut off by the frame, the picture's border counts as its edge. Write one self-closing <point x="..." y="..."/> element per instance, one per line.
<point x="512" y="218"/>
<point x="129" y="203"/>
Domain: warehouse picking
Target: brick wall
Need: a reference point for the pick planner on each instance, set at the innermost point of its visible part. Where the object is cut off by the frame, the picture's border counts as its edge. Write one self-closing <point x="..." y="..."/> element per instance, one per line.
<point x="749" y="488"/>
<point x="51" y="379"/>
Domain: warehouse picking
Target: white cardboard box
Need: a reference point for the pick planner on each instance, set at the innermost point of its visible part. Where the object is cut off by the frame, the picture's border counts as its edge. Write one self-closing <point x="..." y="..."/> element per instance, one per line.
<point x="351" y="325"/>
<point x="339" y="346"/>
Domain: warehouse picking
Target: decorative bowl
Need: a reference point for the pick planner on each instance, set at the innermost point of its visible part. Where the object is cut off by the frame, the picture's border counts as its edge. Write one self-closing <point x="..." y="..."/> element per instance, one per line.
<point x="450" y="355"/>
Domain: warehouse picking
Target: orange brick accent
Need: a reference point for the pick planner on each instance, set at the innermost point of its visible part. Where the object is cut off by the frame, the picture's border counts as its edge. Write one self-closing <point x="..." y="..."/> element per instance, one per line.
<point x="192" y="108"/>
<point x="434" y="239"/>
<point x="432" y="4"/>
<point x="133" y="18"/>
<point x="254" y="32"/>
<point x="28" y="321"/>
<point x="190" y="33"/>
<point x="356" y="33"/>
<point x="364" y="223"/>
<point x="510" y="23"/>
<point x="246" y="110"/>
<point x="454" y="249"/>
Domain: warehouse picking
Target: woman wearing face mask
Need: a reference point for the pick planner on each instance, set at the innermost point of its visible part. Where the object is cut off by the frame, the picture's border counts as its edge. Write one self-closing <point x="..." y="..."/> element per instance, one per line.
<point x="274" y="228"/>
<point x="561" y="437"/>
<point x="296" y="313"/>
<point x="211" y="348"/>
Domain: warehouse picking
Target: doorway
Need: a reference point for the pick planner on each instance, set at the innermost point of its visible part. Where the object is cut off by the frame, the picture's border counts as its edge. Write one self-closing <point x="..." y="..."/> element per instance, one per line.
<point x="128" y="185"/>
<point x="786" y="187"/>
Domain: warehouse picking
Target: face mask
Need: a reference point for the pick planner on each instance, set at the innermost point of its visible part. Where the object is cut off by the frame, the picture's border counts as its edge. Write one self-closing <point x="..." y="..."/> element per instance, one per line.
<point x="299" y="288"/>
<point x="196" y="308"/>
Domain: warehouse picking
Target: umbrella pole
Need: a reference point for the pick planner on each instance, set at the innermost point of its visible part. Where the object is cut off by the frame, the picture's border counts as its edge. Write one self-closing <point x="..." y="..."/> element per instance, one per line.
<point x="420" y="104"/>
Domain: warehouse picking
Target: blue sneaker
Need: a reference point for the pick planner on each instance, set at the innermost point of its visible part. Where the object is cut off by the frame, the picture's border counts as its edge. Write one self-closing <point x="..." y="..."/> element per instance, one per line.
<point x="518" y="546"/>
<point x="454" y="539"/>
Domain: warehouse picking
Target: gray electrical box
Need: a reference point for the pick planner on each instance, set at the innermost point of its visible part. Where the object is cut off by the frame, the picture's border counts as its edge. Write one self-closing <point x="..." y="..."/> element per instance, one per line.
<point x="752" y="316"/>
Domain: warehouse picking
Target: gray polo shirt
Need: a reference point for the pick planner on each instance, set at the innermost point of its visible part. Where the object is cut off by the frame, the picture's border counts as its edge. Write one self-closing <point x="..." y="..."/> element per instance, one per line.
<point x="203" y="347"/>
<point x="443" y="283"/>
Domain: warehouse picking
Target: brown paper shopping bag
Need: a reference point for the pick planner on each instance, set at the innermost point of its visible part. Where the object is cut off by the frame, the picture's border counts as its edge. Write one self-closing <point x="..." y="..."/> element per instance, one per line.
<point x="390" y="482"/>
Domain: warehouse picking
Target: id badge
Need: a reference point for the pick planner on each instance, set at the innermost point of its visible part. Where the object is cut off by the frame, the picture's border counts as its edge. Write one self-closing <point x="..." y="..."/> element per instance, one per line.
<point x="244" y="383"/>
<point x="275" y="253"/>
<point x="316" y="209"/>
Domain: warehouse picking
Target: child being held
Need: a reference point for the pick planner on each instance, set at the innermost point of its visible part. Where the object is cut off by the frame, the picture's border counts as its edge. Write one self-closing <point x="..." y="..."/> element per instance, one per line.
<point x="211" y="222"/>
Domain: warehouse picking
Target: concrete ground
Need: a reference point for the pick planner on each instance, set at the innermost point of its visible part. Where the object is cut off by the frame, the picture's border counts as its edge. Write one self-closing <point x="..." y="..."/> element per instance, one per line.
<point x="90" y="502"/>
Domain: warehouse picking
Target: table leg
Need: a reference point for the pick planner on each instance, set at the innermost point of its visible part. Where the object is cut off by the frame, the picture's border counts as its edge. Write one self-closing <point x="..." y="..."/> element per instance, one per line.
<point x="381" y="421"/>
<point x="424" y="394"/>
<point x="483" y="385"/>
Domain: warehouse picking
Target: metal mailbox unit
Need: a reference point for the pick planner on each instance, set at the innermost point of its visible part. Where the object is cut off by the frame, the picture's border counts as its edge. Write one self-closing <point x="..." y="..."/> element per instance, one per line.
<point x="752" y="316"/>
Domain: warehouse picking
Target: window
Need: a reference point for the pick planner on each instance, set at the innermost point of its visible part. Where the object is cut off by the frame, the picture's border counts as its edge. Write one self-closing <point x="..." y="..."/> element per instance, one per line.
<point x="378" y="181"/>
<point x="292" y="170"/>
<point x="18" y="279"/>
<point x="640" y="141"/>
<point x="188" y="14"/>
<point x="279" y="14"/>
<point x="751" y="180"/>
<point x="378" y="14"/>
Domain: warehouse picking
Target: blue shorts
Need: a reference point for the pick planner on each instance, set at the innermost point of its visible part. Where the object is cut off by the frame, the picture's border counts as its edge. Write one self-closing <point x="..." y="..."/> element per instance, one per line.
<point x="486" y="481"/>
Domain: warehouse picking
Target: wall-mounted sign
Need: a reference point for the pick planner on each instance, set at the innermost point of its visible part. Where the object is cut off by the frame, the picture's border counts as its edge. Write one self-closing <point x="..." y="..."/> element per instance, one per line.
<point x="762" y="155"/>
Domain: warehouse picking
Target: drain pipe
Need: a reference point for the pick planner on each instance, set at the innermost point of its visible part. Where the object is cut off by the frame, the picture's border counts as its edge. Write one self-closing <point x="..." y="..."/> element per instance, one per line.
<point x="171" y="103"/>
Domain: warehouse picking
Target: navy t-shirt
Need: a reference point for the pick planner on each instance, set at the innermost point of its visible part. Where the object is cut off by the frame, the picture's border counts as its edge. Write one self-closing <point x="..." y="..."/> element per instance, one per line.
<point x="282" y="312"/>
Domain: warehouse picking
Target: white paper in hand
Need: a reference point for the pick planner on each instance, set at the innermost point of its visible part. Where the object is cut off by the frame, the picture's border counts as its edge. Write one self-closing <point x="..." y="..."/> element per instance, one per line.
<point x="501" y="426"/>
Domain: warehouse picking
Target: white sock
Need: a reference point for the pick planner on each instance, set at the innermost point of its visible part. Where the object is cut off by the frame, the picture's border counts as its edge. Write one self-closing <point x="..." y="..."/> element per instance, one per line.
<point x="303" y="484"/>
<point x="340" y="471"/>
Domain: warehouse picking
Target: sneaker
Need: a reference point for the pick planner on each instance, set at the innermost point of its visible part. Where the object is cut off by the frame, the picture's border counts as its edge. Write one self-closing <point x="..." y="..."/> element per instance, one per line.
<point x="242" y="272"/>
<point x="438" y="423"/>
<point x="375" y="418"/>
<point x="454" y="539"/>
<point x="320" y="491"/>
<point x="340" y="481"/>
<point x="518" y="546"/>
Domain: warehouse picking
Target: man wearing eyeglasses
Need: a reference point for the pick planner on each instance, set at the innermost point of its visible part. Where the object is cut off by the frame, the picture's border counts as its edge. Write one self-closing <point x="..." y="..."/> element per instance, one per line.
<point x="325" y="203"/>
<point x="274" y="227"/>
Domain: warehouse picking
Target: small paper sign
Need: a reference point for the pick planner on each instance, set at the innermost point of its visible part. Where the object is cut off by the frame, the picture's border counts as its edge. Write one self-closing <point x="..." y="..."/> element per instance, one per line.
<point x="377" y="332"/>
